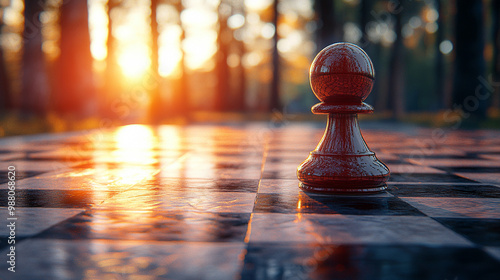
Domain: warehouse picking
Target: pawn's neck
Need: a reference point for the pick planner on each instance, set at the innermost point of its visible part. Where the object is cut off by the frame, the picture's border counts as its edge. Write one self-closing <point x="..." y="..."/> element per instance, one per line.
<point x="343" y="136"/>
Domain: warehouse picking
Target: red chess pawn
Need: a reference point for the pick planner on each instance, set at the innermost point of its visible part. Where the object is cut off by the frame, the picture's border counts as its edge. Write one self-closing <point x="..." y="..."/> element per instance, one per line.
<point x="342" y="76"/>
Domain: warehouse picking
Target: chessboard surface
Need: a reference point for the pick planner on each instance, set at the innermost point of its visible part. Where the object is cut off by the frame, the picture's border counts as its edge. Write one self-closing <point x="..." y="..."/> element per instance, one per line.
<point x="222" y="202"/>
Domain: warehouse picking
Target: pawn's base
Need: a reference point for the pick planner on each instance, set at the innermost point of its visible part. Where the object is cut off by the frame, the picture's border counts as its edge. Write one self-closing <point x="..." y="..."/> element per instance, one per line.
<point x="342" y="163"/>
<point x="339" y="190"/>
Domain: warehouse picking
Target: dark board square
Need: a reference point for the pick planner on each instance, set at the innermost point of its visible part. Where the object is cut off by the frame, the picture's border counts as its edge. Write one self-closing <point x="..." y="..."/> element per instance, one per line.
<point x="4" y="241"/>
<point x="452" y="190"/>
<point x="394" y="161"/>
<point x="470" y="169"/>
<point x="19" y="175"/>
<point x="221" y="185"/>
<point x="154" y="226"/>
<point x="69" y="157"/>
<point x="236" y="165"/>
<point x="279" y="174"/>
<point x="278" y="203"/>
<point x="315" y="261"/>
<point x="485" y="232"/>
<point x="56" y="198"/>
<point x="274" y="159"/>
<point x="440" y="156"/>
<point x="346" y="205"/>
<point x="428" y="178"/>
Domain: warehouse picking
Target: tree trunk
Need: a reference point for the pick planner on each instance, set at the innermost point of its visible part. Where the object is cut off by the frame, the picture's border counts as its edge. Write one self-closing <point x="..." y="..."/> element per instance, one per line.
<point x="364" y="15"/>
<point x="111" y="79"/>
<point x="222" y="71"/>
<point x="240" y="86"/>
<point x="326" y="33"/>
<point x="496" y="52"/>
<point x="469" y="60"/>
<point x="156" y="102"/>
<point x="5" y="94"/>
<point x="371" y="48"/>
<point x="396" y="70"/>
<point x="34" y="91"/>
<point x="76" y="92"/>
<point x="181" y="104"/>
<point x="275" y="102"/>
<point x="439" y="63"/>
<point x="240" y="104"/>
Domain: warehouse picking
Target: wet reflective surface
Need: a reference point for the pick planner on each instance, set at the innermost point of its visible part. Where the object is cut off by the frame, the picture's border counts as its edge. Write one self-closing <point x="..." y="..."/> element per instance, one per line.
<point x="223" y="202"/>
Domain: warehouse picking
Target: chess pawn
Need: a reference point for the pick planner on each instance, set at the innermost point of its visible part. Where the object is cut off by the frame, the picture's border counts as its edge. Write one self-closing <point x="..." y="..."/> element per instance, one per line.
<point x="341" y="77"/>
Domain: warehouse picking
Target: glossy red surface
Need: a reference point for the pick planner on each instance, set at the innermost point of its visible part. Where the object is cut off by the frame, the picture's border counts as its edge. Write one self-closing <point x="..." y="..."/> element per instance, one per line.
<point x="342" y="76"/>
<point x="342" y="162"/>
<point x="325" y="108"/>
<point x="342" y="73"/>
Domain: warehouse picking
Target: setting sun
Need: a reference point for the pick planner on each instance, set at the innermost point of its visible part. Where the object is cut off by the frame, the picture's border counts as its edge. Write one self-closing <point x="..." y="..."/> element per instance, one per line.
<point x="134" y="61"/>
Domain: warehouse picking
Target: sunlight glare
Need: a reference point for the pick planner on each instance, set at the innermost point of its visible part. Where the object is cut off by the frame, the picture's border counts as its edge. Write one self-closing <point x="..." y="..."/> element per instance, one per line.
<point x="169" y="59"/>
<point x="135" y="144"/>
<point x="258" y="5"/>
<point x="200" y="43"/>
<point x="198" y="17"/>
<point x="134" y="60"/>
<point x="236" y="21"/>
<point x="13" y="15"/>
<point x="170" y="138"/>
<point x="170" y="54"/>
<point x="200" y="47"/>
<point x="98" y="28"/>
<point x="133" y="39"/>
<point x="130" y="151"/>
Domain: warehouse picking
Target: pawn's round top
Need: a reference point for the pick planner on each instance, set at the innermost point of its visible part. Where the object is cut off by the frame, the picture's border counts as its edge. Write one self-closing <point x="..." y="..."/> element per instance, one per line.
<point x="342" y="73"/>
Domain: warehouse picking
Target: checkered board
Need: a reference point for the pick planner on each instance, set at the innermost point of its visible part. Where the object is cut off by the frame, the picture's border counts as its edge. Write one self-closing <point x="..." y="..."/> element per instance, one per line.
<point x="222" y="202"/>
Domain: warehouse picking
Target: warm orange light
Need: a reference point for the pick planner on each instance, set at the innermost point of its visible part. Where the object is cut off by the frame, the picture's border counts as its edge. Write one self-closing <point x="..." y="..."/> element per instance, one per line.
<point x="170" y="53"/>
<point x="123" y="159"/>
<point x="200" y="42"/>
<point x="134" y="60"/>
<point x="133" y="152"/>
<point x="135" y="145"/>
<point x="171" y="147"/>
<point x="98" y="28"/>
<point x="257" y="4"/>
